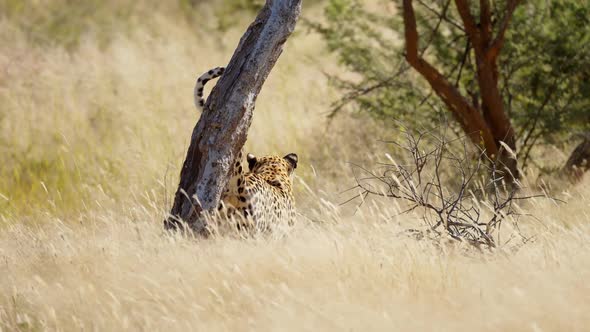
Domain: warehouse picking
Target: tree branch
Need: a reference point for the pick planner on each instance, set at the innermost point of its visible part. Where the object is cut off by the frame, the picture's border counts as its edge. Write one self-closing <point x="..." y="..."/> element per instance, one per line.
<point x="467" y="116"/>
<point x="440" y="18"/>
<point x="359" y="92"/>
<point x="463" y="60"/>
<point x="442" y="15"/>
<point x="485" y="21"/>
<point x="496" y="46"/>
<point x="470" y="26"/>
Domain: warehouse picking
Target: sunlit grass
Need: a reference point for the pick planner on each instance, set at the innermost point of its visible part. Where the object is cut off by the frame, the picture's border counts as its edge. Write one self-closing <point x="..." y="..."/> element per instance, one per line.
<point x="119" y="271"/>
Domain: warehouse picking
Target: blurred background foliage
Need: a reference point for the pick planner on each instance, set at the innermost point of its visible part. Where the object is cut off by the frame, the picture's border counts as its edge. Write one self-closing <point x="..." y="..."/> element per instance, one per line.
<point x="96" y="102"/>
<point x="63" y="22"/>
<point x="91" y="92"/>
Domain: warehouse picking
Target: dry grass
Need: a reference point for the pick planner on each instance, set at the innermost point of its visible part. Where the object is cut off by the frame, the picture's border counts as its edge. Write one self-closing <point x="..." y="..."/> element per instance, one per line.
<point x="91" y="140"/>
<point x="120" y="272"/>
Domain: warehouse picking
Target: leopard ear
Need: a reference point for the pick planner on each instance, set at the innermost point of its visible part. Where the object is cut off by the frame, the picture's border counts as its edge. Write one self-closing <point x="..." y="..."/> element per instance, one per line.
<point x="251" y="161"/>
<point x="292" y="159"/>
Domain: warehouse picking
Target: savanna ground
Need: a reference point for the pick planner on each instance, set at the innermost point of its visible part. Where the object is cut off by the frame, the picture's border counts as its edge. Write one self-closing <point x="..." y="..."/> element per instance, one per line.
<point x="96" y="112"/>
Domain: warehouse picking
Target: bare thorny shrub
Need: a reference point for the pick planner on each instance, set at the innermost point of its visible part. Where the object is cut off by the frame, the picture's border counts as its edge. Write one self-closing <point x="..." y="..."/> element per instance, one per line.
<point x="456" y="189"/>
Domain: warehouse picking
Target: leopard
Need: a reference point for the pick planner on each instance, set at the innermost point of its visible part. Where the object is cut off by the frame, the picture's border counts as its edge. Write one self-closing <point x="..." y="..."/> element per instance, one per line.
<point x="261" y="196"/>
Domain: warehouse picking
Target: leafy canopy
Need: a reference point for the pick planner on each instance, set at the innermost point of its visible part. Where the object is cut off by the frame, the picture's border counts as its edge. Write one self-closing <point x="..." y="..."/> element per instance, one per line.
<point x="544" y="65"/>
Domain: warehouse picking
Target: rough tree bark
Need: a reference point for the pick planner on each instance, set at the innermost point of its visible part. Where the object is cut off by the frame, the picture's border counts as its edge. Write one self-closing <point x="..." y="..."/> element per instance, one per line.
<point x="222" y="129"/>
<point x="484" y="121"/>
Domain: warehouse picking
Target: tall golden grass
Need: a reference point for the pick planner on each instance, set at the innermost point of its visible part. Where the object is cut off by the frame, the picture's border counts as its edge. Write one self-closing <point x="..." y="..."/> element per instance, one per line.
<point x="95" y="118"/>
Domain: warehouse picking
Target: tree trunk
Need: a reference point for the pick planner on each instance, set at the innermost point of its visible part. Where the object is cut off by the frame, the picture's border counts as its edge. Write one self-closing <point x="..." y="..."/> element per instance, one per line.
<point x="579" y="161"/>
<point x="487" y="125"/>
<point x="492" y="107"/>
<point x="223" y="127"/>
<point x="468" y="117"/>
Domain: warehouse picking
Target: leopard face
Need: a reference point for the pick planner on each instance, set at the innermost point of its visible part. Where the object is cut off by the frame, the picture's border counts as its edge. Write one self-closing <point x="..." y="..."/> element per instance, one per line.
<point x="264" y="194"/>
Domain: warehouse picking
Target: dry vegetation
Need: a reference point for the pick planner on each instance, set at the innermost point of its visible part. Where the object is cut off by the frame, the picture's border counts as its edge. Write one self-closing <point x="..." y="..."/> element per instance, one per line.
<point x="93" y="129"/>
